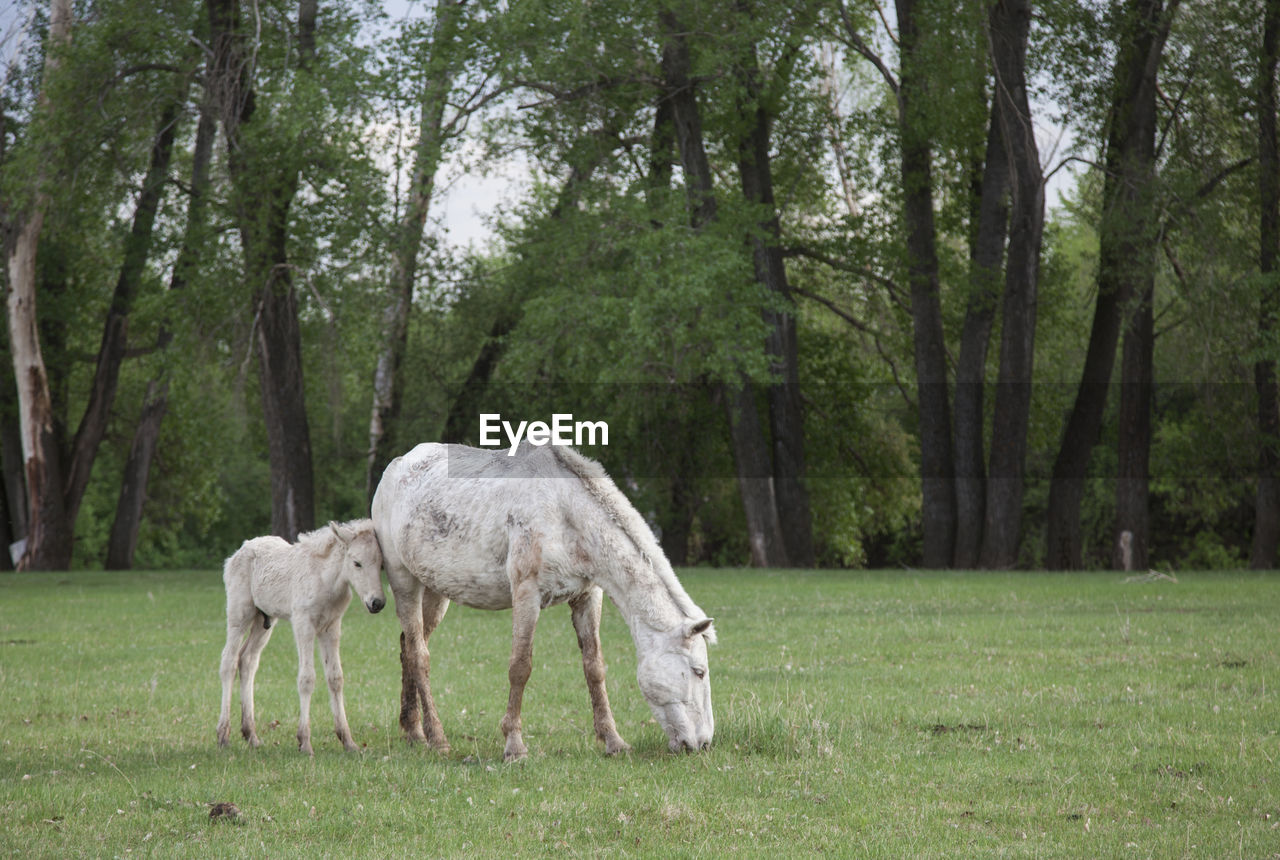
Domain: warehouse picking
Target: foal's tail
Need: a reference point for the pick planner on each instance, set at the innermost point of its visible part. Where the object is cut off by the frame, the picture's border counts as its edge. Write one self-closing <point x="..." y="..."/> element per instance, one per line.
<point x="237" y="573"/>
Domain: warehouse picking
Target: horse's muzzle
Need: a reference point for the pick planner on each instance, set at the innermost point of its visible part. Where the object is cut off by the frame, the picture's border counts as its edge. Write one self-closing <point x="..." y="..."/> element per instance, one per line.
<point x="688" y="747"/>
<point x="375" y="605"/>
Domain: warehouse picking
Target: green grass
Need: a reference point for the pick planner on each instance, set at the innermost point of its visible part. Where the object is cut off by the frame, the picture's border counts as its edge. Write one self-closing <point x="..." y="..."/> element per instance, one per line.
<point x="858" y="714"/>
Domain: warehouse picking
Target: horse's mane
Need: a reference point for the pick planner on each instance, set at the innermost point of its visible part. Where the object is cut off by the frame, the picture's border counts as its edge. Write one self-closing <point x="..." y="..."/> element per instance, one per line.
<point x="606" y="493"/>
<point x="322" y="541"/>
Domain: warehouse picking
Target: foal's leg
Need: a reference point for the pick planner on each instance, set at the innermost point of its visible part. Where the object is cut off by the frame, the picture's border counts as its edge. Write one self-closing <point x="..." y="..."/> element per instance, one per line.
<point x="305" y="635"/>
<point x="586" y="621"/>
<point x="523" y="564"/>
<point x="238" y="624"/>
<point x="329" y="637"/>
<point x="250" y="653"/>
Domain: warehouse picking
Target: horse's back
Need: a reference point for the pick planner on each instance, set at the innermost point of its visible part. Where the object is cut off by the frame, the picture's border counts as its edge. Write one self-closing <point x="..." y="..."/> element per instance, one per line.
<point x="446" y="514"/>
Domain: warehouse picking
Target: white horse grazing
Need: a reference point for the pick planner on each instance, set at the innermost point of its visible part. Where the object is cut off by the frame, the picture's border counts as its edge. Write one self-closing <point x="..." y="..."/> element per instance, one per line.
<point x="543" y="527"/>
<point x="310" y="583"/>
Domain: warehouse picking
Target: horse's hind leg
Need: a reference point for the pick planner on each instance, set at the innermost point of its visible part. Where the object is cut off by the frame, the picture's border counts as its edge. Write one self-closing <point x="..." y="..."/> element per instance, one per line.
<point x="237" y="626"/>
<point x="329" y="637"/>
<point x="586" y="621"/>
<point x="250" y="654"/>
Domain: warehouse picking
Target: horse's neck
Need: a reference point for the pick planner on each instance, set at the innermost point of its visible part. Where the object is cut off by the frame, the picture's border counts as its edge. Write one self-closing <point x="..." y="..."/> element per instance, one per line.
<point x="328" y="570"/>
<point x="640" y="592"/>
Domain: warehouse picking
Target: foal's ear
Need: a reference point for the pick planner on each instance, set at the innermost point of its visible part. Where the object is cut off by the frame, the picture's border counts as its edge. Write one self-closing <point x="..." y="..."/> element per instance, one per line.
<point x="701" y="628"/>
<point x="343" y="533"/>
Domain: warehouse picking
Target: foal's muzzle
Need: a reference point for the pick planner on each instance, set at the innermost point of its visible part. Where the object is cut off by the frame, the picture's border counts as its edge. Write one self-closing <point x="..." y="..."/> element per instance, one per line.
<point x="375" y="605"/>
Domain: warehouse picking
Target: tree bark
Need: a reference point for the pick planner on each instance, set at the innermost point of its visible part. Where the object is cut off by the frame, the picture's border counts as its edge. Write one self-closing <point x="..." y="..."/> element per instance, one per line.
<point x="49" y="533"/>
<point x="1266" y="528"/>
<point x="1125" y="240"/>
<point x="1010" y="23"/>
<point x="15" y="489"/>
<point x="937" y="468"/>
<point x="264" y="193"/>
<point x="750" y="448"/>
<point x="1134" y="448"/>
<point x="388" y="382"/>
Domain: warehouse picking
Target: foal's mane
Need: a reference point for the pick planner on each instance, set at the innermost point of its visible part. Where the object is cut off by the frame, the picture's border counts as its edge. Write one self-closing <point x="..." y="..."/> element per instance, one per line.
<point x="606" y="493"/>
<point x="320" y="542"/>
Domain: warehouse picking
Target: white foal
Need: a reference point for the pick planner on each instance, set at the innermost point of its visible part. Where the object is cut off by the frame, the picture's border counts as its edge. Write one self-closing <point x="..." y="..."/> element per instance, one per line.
<point x="310" y="583"/>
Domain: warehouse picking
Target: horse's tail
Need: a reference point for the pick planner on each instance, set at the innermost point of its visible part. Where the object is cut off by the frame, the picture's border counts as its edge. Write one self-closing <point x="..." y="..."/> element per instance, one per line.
<point x="238" y="568"/>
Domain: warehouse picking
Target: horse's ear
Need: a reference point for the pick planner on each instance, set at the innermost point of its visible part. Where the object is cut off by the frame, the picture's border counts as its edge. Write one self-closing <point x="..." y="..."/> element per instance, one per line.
<point x="345" y="535"/>
<point x="701" y="628"/>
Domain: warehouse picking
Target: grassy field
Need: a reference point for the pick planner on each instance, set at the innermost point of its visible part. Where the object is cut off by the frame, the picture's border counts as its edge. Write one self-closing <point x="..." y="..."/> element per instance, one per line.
<point x="883" y="714"/>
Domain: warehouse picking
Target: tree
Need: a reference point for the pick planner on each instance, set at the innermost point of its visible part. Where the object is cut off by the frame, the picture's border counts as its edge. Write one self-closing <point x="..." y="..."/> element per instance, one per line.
<point x="49" y="531"/>
<point x="785" y="411"/>
<point x="1126" y="243"/>
<point x="446" y="52"/>
<point x="1010" y="23"/>
<point x="265" y="180"/>
<point x="133" y="484"/>
<point x="915" y="164"/>
<point x="750" y="449"/>
<point x="1266" y="530"/>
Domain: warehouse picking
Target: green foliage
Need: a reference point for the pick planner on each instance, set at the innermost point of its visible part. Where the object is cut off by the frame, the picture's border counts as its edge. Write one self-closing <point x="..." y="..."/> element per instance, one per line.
<point x="597" y="296"/>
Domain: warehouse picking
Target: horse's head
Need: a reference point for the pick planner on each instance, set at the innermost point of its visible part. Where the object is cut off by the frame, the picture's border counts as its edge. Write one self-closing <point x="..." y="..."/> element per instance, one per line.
<point x="676" y="682"/>
<point x="362" y="562"/>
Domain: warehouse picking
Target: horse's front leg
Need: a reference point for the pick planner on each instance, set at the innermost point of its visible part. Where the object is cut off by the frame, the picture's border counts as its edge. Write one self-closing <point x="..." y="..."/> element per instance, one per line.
<point x="329" y="638"/>
<point x="524" y="563"/>
<point x="525" y="608"/>
<point x="305" y="635"/>
<point x="586" y="621"/>
<point x="419" y="611"/>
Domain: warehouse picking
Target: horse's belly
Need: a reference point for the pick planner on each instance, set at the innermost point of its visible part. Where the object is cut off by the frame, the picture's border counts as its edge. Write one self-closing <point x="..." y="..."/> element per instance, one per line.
<point x="462" y="577"/>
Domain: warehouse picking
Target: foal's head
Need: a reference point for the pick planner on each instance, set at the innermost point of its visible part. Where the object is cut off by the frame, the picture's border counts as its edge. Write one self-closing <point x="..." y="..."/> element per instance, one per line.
<point x="362" y="561"/>
<point x="676" y="682"/>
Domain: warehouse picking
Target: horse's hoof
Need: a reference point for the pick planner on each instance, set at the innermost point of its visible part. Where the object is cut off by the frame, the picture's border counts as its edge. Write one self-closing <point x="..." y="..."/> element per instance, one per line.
<point x="616" y="747"/>
<point x="515" y="752"/>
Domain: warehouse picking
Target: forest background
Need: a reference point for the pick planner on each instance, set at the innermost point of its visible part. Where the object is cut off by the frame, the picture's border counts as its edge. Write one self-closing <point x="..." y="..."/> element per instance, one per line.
<point x="798" y="256"/>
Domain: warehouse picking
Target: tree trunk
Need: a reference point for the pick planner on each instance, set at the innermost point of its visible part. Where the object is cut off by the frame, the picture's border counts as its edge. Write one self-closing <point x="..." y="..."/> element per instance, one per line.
<point x="1126" y="235"/>
<point x="264" y="192"/>
<point x="984" y="277"/>
<point x="388" y="382"/>
<point x="49" y="533"/>
<point x="937" y="470"/>
<point x="133" y="491"/>
<point x="1010" y="24"/>
<point x="750" y="448"/>
<point x="1134" y="450"/>
<point x="1266" y="529"/>
<point x="14" y="489"/>
<point x="785" y="407"/>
